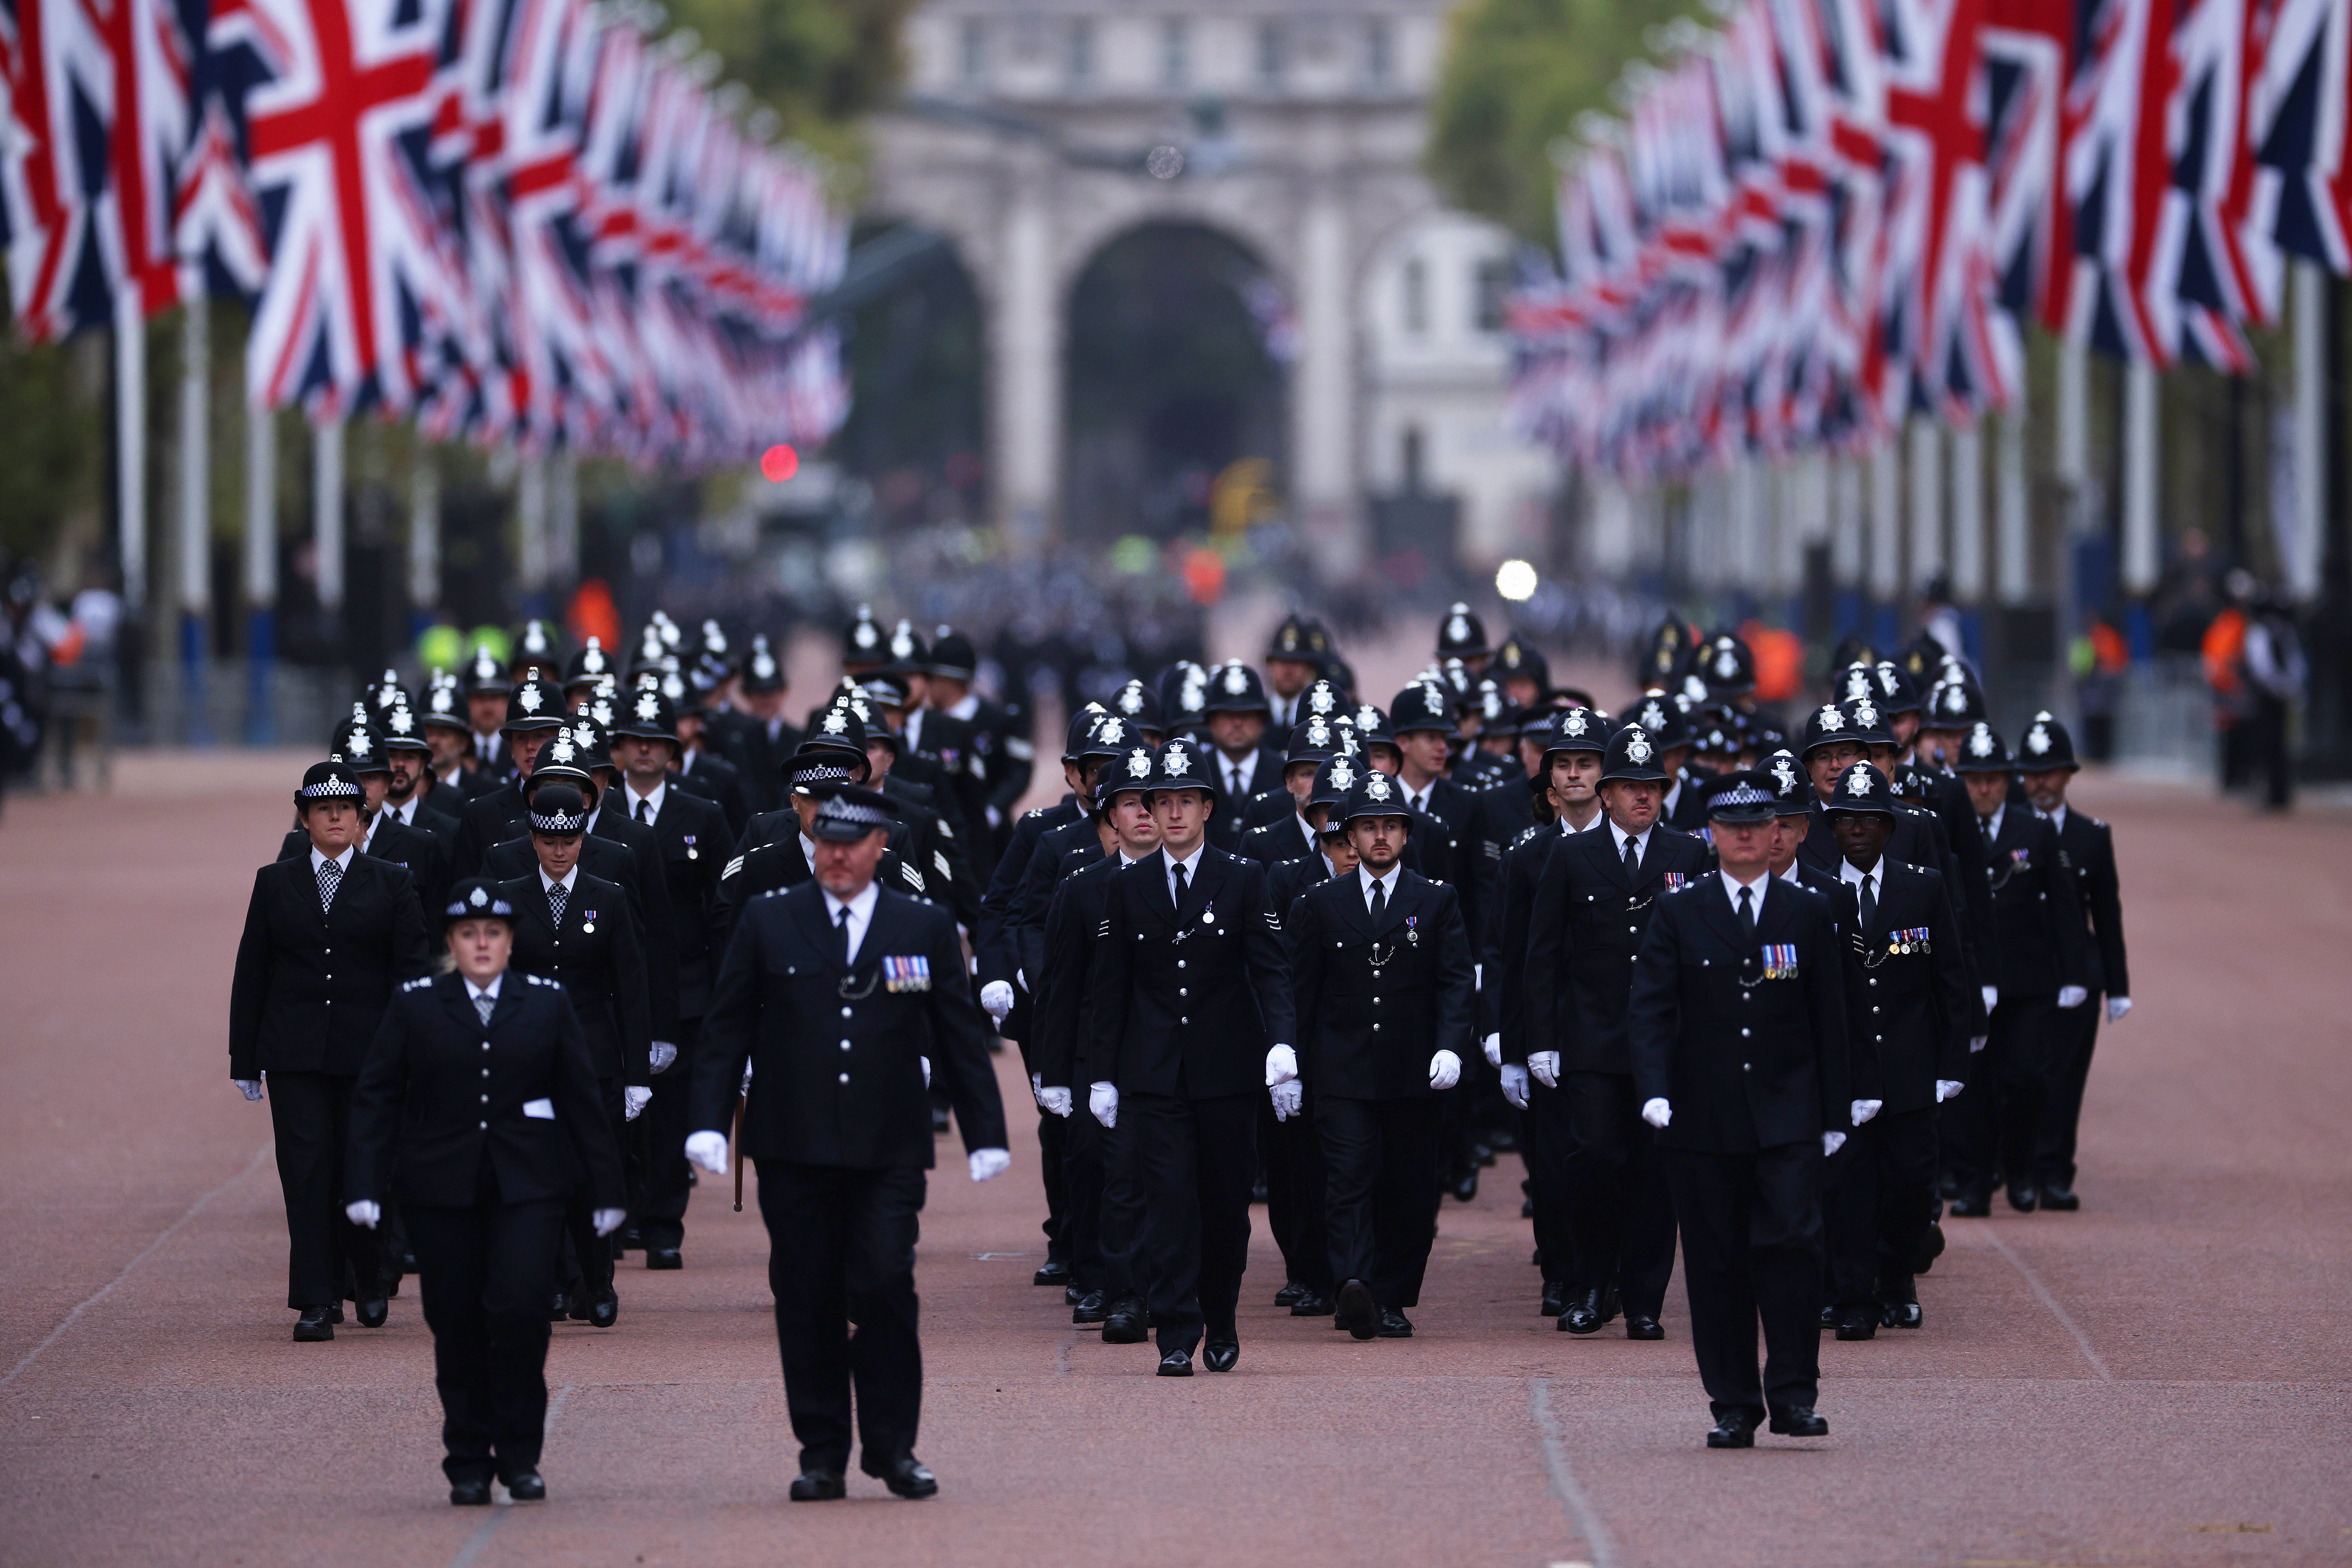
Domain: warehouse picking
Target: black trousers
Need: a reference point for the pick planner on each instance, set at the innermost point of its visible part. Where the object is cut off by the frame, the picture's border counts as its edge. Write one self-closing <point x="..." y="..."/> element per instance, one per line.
<point x="487" y="1273"/>
<point x="1052" y="1164"/>
<point x="1881" y="1195"/>
<point x="1297" y="1204"/>
<point x="588" y="1261"/>
<point x="1547" y="1141"/>
<point x="1104" y="1217"/>
<point x="1380" y="1204"/>
<point x="310" y="1116"/>
<point x="1193" y="1160"/>
<point x="661" y="1129"/>
<point x="1751" y="1228"/>
<point x="841" y="1262"/>
<point x="2076" y="1033"/>
<point x="1620" y="1208"/>
<point x="1992" y="1128"/>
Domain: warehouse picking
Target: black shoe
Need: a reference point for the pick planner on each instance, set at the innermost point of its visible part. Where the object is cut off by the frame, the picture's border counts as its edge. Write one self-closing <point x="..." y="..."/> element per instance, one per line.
<point x="939" y="1120"/>
<point x="1735" y="1430"/>
<point x="818" y="1486"/>
<point x="1090" y="1309"/>
<point x="629" y="1240"/>
<point x="1288" y="1295"/>
<point x="1857" y="1323"/>
<point x="1466" y="1185"/>
<point x="1311" y="1306"/>
<point x="1176" y="1364"/>
<point x="664" y="1257"/>
<point x="470" y="1494"/>
<point x="313" y="1325"/>
<point x="1900" y="1315"/>
<point x="1947" y="1187"/>
<point x="1055" y="1272"/>
<point x="335" y="1313"/>
<point x="558" y="1309"/>
<point x="525" y="1486"/>
<point x="1356" y="1311"/>
<point x="2023" y="1199"/>
<point x="1124" y="1323"/>
<point x="371" y="1310"/>
<point x="2062" y="1199"/>
<point x="1526" y="1208"/>
<point x="406" y="1262"/>
<point x="1395" y="1325"/>
<point x="1582" y="1315"/>
<point x="1220" y="1354"/>
<point x="1638" y="1327"/>
<point x="1072" y="1295"/>
<point x="911" y="1478"/>
<point x="1971" y="1206"/>
<point x="1799" y="1421"/>
<point x="1555" y="1298"/>
<point x="1610" y="1306"/>
<point x="599" y="1311"/>
<point x="1829" y="1315"/>
<point x="1931" y="1248"/>
<point x="1503" y="1141"/>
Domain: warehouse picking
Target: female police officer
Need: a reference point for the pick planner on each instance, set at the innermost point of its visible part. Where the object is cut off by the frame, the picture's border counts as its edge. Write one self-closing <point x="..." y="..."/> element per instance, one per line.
<point x="479" y="1092"/>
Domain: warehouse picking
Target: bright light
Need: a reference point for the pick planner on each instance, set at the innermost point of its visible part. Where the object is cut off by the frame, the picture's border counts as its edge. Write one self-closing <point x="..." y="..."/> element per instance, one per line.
<point x="1515" y="580"/>
<point x="780" y="463"/>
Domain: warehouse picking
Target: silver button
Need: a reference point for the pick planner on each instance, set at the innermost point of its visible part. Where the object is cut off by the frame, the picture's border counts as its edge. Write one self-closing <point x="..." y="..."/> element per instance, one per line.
<point x="1181" y="992"/>
<point x="486" y="1100"/>
<point x="1184" y="1020"/>
<point x="1180" y="964"/>
<point x="1376" y="1028"/>
<point x="1744" y="1066"/>
<point x="1873" y="980"/>
<point x="485" y="1127"/>
<point x="330" y="950"/>
<point x="485" y="1046"/>
<point x="1873" y="1009"/>
<point x="486" y="1072"/>
<point x="1743" y="1034"/>
<point x="845" y="1045"/>
<point x="845" y="1078"/>
<point x="844" y="1012"/>
<point x="1376" y="1001"/>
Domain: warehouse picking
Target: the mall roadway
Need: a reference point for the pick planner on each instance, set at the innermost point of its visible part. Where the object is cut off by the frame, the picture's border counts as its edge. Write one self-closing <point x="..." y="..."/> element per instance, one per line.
<point x="2161" y="1378"/>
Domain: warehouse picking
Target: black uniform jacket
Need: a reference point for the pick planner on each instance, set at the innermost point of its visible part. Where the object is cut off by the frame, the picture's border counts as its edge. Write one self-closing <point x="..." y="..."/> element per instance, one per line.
<point x="1084" y="850"/>
<point x="1502" y="812"/>
<point x="1585" y="923"/>
<point x="615" y="860"/>
<point x="1231" y="818"/>
<point x="312" y="985"/>
<point x="2040" y="942"/>
<point x="1908" y="990"/>
<point x="1049" y="862"/>
<point x="715" y="779"/>
<point x="1062" y="1036"/>
<point x="597" y="954"/>
<point x="836" y="1070"/>
<point x="1272" y="843"/>
<point x="995" y="948"/>
<point x="489" y="819"/>
<point x="1286" y="882"/>
<point x="1503" y="997"/>
<point x="440" y="1087"/>
<point x="1750" y="1054"/>
<point x="413" y="849"/>
<point x="923" y="838"/>
<point x="691" y="839"/>
<point x="1187" y="1001"/>
<point x="2089" y="848"/>
<point x="757" y="758"/>
<point x="1377" y="999"/>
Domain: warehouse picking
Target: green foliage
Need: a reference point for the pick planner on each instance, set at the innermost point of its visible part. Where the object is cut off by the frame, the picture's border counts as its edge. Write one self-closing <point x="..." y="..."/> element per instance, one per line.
<point x="49" y="447"/>
<point x="818" y="64"/>
<point x="1517" y="73"/>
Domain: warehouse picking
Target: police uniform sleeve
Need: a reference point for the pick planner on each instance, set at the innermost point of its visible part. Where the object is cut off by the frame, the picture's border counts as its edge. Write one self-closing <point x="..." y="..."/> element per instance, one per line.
<point x="960" y="1035"/>
<point x="1268" y="959"/>
<point x="377" y="1097"/>
<point x="1653" y="1010"/>
<point x="1109" y="980"/>
<point x="1545" y="969"/>
<point x="1053" y="1037"/>
<point x="1456" y="981"/>
<point x="412" y="950"/>
<point x="249" y="991"/>
<point x="2103" y="894"/>
<point x="2073" y="939"/>
<point x="991" y="947"/>
<point x="1308" y="947"/>
<point x="580" y="1108"/>
<point x="728" y="1027"/>
<point x="1833" y="1048"/>
<point x="1953" y="992"/>
<point x="661" y="938"/>
<point x="626" y="954"/>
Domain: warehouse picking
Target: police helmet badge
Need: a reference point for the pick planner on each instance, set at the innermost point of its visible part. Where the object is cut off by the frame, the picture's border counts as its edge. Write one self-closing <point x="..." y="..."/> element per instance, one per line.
<point x="1139" y="764"/>
<point x="529" y="697"/>
<point x="1980" y="741"/>
<point x="1178" y="764"/>
<point x="1830" y="719"/>
<point x="1857" y="780"/>
<point x="1237" y="680"/>
<point x="1637" y="747"/>
<point x="648" y="706"/>
<point x="1376" y="787"/>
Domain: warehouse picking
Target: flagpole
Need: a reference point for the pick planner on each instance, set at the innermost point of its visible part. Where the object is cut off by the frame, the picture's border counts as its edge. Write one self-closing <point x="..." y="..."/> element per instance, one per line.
<point x="326" y="525"/>
<point x="195" y="510"/>
<point x="424" y="540"/>
<point x="260" y="572"/>
<point x="131" y="448"/>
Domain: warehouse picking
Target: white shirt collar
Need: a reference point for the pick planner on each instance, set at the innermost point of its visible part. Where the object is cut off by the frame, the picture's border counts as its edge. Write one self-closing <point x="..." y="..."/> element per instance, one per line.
<point x="1305" y="827"/>
<point x="1241" y="773"/>
<point x="342" y="861"/>
<point x="1386" y="884"/>
<point x="1617" y="837"/>
<point x="476" y="993"/>
<point x="912" y="732"/>
<point x="686" y="762"/>
<point x="564" y="882"/>
<point x="2058" y="817"/>
<point x="1847" y="874"/>
<point x="404" y="813"/>
<point x="1731" y="886"/>
<point x="1192" y="864"/>
<point x="860" y="906"/>
<point x="965" y="706"/>
<point x="653" y="801"/>
<point x="1793" y="873"/>
<point x="1992" y="822"/>
<point x="808" y="850"/>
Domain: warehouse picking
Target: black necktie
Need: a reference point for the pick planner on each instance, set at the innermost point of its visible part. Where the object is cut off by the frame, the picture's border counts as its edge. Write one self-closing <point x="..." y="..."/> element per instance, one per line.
<point x="331" y="877"/>
<point x="644" y="810"/>
<point x="483" y="1005"/>
<point x="1379" y="900"/>
<point x="1869" y="902"/>
<point x="1746" y="911"/>
<point x="1632" y="857"/>
<point x="1179" y="866"/>
<point x="841" y="936"/>
<point x="556" y="894"/>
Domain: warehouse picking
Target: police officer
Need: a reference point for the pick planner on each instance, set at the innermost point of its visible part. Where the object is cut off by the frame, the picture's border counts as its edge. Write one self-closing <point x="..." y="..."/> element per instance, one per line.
<point x="534" y="713"/>
<point x="762" y="739"/>
<point x="1906" y="1000"/>
<point x="409" y="785"/>
<point x="1738" y="1030"/>
<point x="488" y="709"/>
<point x="1292" y="654"/>
<point x="478" y="1107"/>
<point x="1419" y="728"/>
<point x="1000" y="737"/>
<point x="1381" y="978"/>
<point x="1234" y="703"/>
<point x="578" y="929"/>
<point x="845" y="998"/>
<point x="382" y="835"/>
<point x="449" y="730"/>
<point x="996" y="955"/>
<point x="1188" y="991"/>
<point x="2046" y="755"/>
<point x="1599" y="894"/>
<point x="327" y="934"/>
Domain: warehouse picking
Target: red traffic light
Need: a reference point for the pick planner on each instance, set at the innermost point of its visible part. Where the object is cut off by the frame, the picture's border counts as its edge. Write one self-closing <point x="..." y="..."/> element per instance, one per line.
<point x="780" y="463"/>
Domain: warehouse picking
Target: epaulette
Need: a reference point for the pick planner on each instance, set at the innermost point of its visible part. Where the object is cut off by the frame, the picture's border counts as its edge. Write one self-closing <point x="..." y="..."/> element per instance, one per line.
<point x="1529" y="832"/>
<point x="419" y="983"/>
<point x="976" y="766"/>
<point x="775" y="892"/>
<point x="1034" y="811"/>
<point x="543" y="980"/>
<point x="945" y="831"/>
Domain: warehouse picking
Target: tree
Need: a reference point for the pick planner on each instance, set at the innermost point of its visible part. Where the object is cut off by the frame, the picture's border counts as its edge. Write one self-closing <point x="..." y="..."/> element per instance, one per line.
<point x="818" y="64"/>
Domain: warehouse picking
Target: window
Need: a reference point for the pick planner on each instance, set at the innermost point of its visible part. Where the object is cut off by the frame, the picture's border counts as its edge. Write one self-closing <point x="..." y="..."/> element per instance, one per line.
<point x="975" y="48"/>
<point x="1175" y="52"/>
<point x="1416" y="296"/>
<point x="1490" y="291"/>
<point x="1082" y="50"/>
<point x="1378" y="62"/>
<point x="1270" y="53"/>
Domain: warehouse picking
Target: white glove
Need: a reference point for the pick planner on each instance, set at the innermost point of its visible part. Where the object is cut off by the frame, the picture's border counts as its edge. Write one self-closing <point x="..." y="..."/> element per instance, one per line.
<point x="363" y="1212"/>
<point x="1053" y="1101"/>
<point x="1514" y="1085"/>
<point x="1038" y="1088"/>
<point x="1991" y="996"/>
<point x="1445" y="1071"/>
<point x="663" y="1054"/>
<point x="633" y="1100"/>
<point x="989" y="1163"/>
<point x="1543" y="1067"/>
<point x="1832" y="1142"/>
<point x="1102" y="1100"/>
<point x="1286" y="1099"/>
<point x="708" y="1150"/>
<point x="1281" y="1065"/>
<point x="607" y="1221"/>
<point x="251" y="1087"/>
<point x="1946" y="1088"/>
<point x="996" y="999"/>
<point x="1493" y="1046"/>
<point x="995" y="818"/>
<point x="927" y="1070"/>
<point x="1977" y="1042"/>
<point x="1863" y="1110"/>
<point x="2117" y="1007"/>
<point x="1657" y="1113"/>
<point x="2072" y="996"/>
<point x="1478" y="975"/>
<point x="745" y="1087"/>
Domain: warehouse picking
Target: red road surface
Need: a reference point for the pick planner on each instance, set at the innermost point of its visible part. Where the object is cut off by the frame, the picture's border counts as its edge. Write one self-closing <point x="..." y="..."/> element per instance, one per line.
<point x="2159" y="1379"/>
